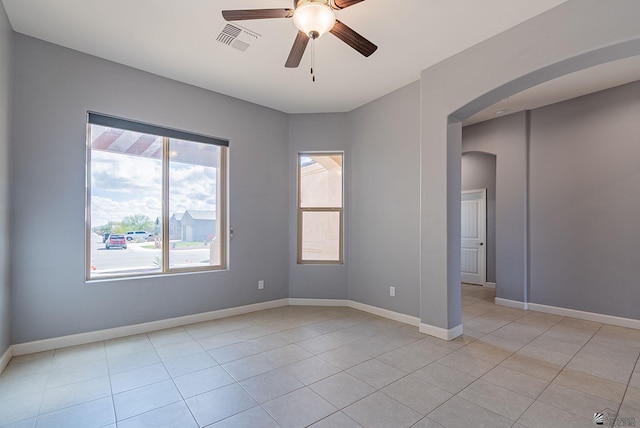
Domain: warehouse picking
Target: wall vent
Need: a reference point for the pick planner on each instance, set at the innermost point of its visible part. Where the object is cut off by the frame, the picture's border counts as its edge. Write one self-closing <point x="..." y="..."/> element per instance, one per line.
<point x="237" y="37"/>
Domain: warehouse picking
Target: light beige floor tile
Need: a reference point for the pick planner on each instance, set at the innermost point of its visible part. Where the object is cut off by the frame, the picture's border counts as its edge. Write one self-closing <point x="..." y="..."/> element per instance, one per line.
<point x="236" y="351"/>
<point x="127" y="345"/>
<point x="141" y="400"/>
<point x="311" y="370"/>
<point x="219" y="404"/>
<point x="254" y="417"/>
<point x="189" y="364"/>
<point x="519" y="332"/>
<point x="249" y="367"/>
<point x="19" y="408"/>
<point x="619" y="335"/>
<point x="417" y="394"/>
<point x="485" y="324"/>
<point x="427" y="423"/>
<point x="270" y="385"/>
<point x="342" y="389"/>
<point x="485" y="351"/>
<point x="218" y="340"/>
<point x="611" y="361"/>
<point x="591" y="384"/>
<point x="16" y="386"/>
<point x="78" y="355"/>
<point x="202" y="381"/>
<point x="532" y="366"/>
<point x="93" y="414"/>
<point x="515" y="381"/>
<point x="576" y="402"/>
<point x="345" y="357"/>
<point x="36" y="356"/>
<point x="28" y="423"/>
<point x="178" y="350"/>
<point x="76" y="393"/>
<point x="426" y="348"/>
<point x="381" y="411"/>
<point x="319" y="344"/>
<point x="376" y="373"/>
<point x="404" y="360"/>
<point x="176" y="415"/>
<point x="444" y="377"/>
<point x="77" y="373"/>
<point x="462" y="361"/>
<point x="460" y="413"/>
<point x="205" y="329"/>
<point x="632" y="399"/>
<point x="169" y="336"/>
<point x="133" y="361"/>
<point x="372" y="346"/>
<point x="136" y="378"/>
<point x="541" y="415"/>
<point x="546" y="355"/>
<point x="502" y="401"/>
<point x="336" y="420"/>
<point x="628" y="416"/>
<point x="287" y="354"/>
<point x="299" y="409"/>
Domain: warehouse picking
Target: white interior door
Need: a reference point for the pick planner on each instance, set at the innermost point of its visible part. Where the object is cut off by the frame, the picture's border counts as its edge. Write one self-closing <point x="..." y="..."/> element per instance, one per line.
<point x="474" y="230"/>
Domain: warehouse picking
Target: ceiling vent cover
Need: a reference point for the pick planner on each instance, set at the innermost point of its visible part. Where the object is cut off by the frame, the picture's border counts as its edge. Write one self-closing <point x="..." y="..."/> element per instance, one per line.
<point x="237" y="37"/>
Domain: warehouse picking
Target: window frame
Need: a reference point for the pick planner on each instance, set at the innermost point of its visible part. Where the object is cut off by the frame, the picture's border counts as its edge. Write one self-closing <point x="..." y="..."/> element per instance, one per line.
<point x="301" y="210"/>
<point x="167" y="134"/>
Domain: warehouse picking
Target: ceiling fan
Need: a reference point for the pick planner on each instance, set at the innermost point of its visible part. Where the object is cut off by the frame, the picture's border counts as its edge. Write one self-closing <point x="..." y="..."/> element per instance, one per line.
<point x="313" y="18"/>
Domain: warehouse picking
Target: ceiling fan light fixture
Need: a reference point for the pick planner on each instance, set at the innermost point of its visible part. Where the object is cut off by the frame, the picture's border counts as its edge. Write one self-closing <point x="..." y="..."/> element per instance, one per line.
<point x="314" y="18"/>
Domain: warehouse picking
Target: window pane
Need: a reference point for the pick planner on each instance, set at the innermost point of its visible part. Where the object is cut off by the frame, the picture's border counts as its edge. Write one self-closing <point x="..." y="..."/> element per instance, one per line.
<point x="320" y="180"/>
<point x="320" y="236"/>
<point x="126" y="195"/>
<point x="194" y="177"/>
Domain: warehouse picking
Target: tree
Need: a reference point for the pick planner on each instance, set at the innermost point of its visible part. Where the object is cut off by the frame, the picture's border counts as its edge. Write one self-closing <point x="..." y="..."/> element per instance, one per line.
<point x="137" y="222"/>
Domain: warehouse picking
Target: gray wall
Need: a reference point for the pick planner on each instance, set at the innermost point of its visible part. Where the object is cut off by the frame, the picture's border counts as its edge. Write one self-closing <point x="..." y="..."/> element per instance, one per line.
<point x="385" y="204"/>
<point x="54" y="88"/>
<point x="317" y="132"/>
<point x="506" y="139"/>
<point x="479" y="172"/>
<point x="6" y="64"/>
<point x="585" y="182"/>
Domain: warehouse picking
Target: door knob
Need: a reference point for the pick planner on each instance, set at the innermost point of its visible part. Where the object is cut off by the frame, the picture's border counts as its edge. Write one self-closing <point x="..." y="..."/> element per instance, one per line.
<point x="482" y="243"/>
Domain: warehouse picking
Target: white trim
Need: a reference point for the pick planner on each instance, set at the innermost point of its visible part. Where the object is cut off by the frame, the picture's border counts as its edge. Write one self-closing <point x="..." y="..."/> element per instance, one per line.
<point x="385" y="313"/>
<point x="490" y="284"/>
<point x="113" y="333"/>
<point x="511" y="303"/>
<point x="441" y="333"/>
<point x="318" y="302"/>
<point x="589" y="316"/>
<point x="6" y="357"/>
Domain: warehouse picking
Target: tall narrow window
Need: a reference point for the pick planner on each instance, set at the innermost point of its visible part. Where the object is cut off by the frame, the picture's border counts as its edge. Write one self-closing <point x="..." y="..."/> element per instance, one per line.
<point x="320" y="208"/>
<point x="156" y="199"/>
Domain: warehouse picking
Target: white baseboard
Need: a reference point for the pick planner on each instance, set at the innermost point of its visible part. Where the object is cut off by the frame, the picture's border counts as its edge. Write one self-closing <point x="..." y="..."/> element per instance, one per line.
<point x="114" y="333"/>
<point x="490" y="284"/>
<point x="385" y="313"/>
<point x="441" y="333"/>
<point x="573" y="313"/>
<point x="6" y="357"/>
<point x="510" y="303"/>
<point x="317" y="302"/>
<point x="588" y="316"/>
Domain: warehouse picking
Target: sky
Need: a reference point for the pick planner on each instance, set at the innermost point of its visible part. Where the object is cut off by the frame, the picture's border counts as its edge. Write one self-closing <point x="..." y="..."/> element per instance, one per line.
<point x="124" y="185"/>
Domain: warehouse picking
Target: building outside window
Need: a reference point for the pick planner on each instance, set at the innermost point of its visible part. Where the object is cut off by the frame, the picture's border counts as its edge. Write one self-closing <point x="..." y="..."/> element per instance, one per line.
<point x="320" y="208"/>
<point x="156" y="199"/>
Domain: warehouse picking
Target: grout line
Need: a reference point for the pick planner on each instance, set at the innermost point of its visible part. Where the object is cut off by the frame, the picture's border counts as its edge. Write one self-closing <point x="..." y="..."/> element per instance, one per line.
<point x="625" y="391"/>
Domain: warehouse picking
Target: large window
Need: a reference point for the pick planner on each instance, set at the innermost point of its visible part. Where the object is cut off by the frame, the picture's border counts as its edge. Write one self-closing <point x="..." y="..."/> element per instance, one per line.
<point x="155" y="199"/>
<point x="320" y="204"/>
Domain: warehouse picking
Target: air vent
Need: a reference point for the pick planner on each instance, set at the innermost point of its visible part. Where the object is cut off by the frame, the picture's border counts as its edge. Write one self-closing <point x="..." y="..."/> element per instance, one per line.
<point x="237" y="37"/>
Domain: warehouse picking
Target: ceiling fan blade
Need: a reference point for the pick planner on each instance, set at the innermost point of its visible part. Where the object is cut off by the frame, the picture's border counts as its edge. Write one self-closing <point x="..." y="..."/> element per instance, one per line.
<point x="341" y="4"/>
<point x="241" y="15"/>
<point x="353" y="39"/>
<point x="297" y="50"/>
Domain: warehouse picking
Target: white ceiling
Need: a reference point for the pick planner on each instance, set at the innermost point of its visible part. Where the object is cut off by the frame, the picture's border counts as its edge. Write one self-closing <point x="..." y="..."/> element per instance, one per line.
<point x="177" y="39"/>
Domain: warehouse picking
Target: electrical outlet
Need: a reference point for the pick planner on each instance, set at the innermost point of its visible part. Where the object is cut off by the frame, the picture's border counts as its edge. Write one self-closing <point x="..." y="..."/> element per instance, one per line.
<point x="260" y="284"/>
<point x="392" y="291"/>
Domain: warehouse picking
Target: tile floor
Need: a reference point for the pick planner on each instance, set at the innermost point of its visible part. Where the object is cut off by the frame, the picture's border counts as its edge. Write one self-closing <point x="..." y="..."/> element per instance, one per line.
<point x="336" y="367"/>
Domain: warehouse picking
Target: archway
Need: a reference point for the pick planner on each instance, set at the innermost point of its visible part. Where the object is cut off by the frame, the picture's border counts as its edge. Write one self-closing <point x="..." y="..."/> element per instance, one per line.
<point x="548" y="46"/>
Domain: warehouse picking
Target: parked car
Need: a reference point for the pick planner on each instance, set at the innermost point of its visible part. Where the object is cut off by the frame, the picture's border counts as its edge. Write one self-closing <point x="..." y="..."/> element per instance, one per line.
<point x="138" y="236"/>
<point x="116" y="241"/>
<point x="105" y="236"/>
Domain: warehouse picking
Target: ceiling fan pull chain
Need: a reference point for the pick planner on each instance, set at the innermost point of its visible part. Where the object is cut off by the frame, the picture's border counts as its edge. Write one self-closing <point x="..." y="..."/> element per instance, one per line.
<point x="313" y="58"/>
